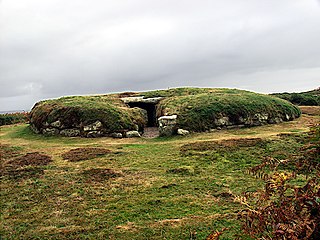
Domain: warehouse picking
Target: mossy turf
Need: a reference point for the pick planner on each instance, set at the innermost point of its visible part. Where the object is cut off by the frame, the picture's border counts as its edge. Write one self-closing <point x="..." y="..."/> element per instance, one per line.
<point x="197" y="109"/>
<point x="164" y="188"/>
<point x="76" y="110"/>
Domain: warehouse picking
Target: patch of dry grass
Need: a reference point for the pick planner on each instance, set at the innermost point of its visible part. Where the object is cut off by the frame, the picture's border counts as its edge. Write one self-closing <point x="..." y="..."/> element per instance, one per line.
<point x="30" y="159"/>
<point x="7" y="152"/>
<point x="101" y="174"/>
<point x="310" y="110"/>
<point x="25" y="166"/>
<point x="81" y="154"/>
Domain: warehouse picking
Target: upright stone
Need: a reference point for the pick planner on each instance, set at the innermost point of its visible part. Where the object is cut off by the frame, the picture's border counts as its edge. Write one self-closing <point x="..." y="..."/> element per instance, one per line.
<point x="168" y="125"/>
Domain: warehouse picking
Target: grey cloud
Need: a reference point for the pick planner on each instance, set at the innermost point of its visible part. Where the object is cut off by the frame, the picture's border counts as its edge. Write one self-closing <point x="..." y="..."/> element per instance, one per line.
<point x="54" y="48"/>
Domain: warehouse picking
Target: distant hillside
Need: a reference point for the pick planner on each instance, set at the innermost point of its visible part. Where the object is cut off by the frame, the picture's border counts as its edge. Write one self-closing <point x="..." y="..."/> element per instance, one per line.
<point x="309" y="98"/>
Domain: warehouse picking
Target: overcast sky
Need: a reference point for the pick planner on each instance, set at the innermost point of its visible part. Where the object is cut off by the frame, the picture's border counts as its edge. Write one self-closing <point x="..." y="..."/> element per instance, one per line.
<point x="53" y="48"/>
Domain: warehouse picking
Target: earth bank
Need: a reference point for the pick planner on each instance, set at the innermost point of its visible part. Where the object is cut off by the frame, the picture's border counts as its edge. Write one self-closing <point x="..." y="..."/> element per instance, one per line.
<point x="128" y="114"/>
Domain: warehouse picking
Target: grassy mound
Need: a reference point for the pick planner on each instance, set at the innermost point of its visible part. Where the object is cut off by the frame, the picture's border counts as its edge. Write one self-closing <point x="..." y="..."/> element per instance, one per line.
<point x="198" y="109"/>
<point x="78" y="111"/>
<point x="203" y="109"/>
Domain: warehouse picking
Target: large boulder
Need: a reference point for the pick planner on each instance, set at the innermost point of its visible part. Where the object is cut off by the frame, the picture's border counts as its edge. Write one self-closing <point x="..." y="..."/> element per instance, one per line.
<point x="167" y="125"/>
<point x="132" y="134"/>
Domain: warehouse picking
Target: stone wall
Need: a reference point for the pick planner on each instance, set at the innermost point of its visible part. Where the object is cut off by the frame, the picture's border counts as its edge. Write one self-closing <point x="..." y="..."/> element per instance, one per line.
<point x="96" y="129"/>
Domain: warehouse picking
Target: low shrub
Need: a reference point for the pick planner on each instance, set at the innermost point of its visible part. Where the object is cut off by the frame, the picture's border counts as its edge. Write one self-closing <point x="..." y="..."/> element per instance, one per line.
<point x="13" y="118"/>
<point x="283" y="210"/>
<point x="311" y="98"/>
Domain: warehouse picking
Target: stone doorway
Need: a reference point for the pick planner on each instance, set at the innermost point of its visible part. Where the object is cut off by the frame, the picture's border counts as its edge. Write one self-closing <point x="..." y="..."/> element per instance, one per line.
<point x="151" y="111"/>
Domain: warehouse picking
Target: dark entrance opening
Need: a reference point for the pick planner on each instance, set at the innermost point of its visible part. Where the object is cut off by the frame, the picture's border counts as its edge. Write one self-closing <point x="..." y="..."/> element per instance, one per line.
<point x="151" y="110"/>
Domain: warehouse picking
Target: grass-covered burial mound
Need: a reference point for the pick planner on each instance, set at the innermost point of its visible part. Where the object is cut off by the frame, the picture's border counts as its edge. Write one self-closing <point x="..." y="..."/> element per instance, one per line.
<point x="126" y="114"/>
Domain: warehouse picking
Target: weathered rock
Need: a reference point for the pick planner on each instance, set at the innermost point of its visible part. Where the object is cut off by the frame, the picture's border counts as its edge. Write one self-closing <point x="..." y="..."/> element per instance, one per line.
<point x="261" y="117"/>
<point x="94" y="134"/>
<point x="34" y="129"/>
<point x="288" y="118"/>
<point x="183" y="132"/>
<point x="132" y="134"/>
<point x="141" y="99"/>
<point x="50" y="131"/>
<point x="70" y="132"/>
<point x="167" y="125"/>
<point x="223" y="121"/>
<point x="136" y="127"/>
<point x="116" y="135"/>
<point x="275" y="120"/>
<point x="56" y="124"/>
<point x="93" y="127"/>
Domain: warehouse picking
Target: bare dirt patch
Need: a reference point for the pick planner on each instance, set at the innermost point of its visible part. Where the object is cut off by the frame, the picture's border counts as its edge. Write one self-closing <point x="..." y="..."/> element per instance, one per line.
<point x="81" y="154"/>
<point x="30" y="159"/>
<point x="101" y="174"/>
<point x="222" y="144"/>
<point x="151" y="132"/>
<point x="310" y="110"/>
<point x="20" y="174"/>
<point x="25" y="166"/>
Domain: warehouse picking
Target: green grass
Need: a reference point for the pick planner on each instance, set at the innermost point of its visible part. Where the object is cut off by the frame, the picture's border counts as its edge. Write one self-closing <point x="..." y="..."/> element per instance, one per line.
<point x="148" y="200"/>
<point x="310" y="98"/>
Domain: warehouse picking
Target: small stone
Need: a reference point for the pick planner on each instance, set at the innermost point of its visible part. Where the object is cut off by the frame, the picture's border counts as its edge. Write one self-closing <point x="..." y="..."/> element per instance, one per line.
<point x="136" y="127"/>
<point x="56" y="124"/>
<point x="50" y="131"/>
<point x="93" y="127"/>
<point x="34" y="128"/>
<point x="94" y="134"/>
<point x="287" y="117"/>
<point x="132" y="134"/>
<point x="222" y="121"/>
<point x="116" y="135"/>
<point x="183" y="132"/>
<point x="70" y="132"/>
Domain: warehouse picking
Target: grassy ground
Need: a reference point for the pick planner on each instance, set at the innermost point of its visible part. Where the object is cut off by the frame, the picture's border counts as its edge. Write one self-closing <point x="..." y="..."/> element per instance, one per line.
<point x="164" y="188"/>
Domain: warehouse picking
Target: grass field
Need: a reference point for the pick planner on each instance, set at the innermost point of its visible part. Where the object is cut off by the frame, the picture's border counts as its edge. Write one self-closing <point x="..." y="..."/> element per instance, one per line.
<point x="163" y="188"/>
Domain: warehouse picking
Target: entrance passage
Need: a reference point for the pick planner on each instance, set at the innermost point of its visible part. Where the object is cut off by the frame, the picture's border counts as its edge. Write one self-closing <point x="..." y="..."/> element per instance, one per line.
<point x="151" y="110"/>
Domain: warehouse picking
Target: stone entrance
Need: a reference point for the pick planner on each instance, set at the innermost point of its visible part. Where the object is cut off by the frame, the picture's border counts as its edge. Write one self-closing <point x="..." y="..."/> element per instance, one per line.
<point x="148" y="104"/>
<point x="151" y="111"/>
